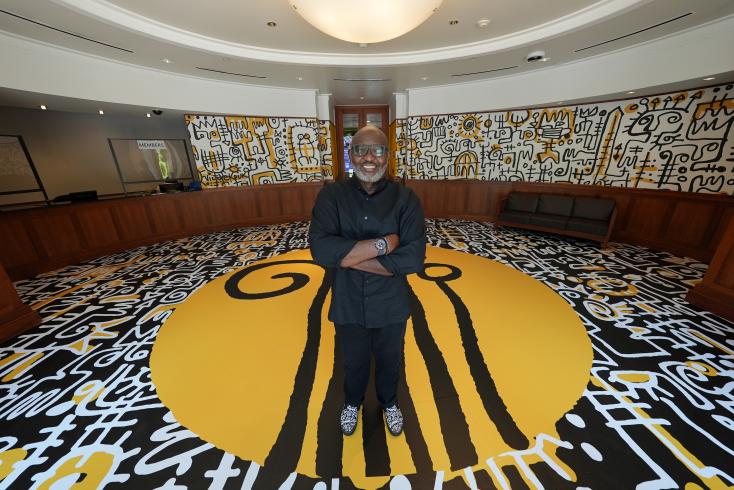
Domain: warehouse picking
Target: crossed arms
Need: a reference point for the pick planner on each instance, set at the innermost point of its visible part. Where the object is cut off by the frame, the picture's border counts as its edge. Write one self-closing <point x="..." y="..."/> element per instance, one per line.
<point x="406" y="252"/>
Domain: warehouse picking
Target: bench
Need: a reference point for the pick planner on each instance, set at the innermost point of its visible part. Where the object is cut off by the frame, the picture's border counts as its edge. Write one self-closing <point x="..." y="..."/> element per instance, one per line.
<point x="589" y="218"/>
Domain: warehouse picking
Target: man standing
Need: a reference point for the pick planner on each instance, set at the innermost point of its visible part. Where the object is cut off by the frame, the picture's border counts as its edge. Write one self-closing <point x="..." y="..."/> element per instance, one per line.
<point x="370" y="231"/>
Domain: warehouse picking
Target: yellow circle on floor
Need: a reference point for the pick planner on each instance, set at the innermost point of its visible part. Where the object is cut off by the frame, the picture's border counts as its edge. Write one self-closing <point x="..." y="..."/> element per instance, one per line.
<point x="226" y="366"/>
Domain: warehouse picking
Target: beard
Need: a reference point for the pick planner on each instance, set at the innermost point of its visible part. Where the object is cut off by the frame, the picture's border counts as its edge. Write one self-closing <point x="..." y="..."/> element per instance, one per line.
<point x="369" y="178"/>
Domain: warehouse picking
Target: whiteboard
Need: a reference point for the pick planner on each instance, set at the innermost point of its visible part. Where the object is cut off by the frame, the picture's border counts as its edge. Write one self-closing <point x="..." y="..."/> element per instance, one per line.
<point x="17" y="174"/>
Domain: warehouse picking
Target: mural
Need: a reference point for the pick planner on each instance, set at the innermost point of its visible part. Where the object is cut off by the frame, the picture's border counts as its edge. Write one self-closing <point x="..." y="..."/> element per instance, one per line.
<point x="680" y="141"/>
<point x="326" y="143"/>
<point x="249" y="150"/>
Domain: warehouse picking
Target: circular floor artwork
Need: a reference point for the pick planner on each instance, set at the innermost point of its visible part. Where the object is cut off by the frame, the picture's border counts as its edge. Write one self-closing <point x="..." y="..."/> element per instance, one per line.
<point x="493" y="359"/>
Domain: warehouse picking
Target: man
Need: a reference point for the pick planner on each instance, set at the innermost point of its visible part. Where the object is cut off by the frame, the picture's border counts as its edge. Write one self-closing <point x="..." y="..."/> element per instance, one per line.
<point x="370" y="231"/>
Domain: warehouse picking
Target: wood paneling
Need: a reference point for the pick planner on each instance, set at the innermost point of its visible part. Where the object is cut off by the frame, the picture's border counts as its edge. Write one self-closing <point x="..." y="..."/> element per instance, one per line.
<point x="15" y="316"/>
<point x="682" y="223"/>
<point x="42" y="239"/>
<point x="716" y="291"/>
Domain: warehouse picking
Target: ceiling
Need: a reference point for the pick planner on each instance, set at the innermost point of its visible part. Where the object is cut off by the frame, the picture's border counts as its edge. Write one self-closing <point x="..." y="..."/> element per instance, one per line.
<point x="230" y="39"/>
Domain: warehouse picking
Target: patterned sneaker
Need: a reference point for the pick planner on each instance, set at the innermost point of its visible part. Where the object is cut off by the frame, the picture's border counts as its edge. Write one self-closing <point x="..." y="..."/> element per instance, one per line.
<point x="394" y="420"/>
<point x="349" y="418"/>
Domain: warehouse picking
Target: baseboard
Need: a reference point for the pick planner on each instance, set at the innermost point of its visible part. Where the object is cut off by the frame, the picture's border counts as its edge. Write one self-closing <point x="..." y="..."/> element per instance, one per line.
<point x="25" y="321"/>
<point x="719" y="301"/>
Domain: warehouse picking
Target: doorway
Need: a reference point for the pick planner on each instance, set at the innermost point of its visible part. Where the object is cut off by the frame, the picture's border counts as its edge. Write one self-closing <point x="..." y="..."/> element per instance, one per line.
<point x="349" y="119"/>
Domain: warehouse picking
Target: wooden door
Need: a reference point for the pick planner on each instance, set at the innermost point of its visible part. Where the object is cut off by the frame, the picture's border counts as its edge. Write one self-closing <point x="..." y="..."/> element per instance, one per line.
<point x="349" y="119"/>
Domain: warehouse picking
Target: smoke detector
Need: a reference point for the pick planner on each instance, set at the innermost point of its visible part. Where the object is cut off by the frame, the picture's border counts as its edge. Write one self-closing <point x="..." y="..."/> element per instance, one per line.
<point x="536" y="56"/>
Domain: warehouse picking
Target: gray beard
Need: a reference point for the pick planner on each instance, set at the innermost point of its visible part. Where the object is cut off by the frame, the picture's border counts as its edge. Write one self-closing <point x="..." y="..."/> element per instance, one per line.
<point x="369" y="178"/>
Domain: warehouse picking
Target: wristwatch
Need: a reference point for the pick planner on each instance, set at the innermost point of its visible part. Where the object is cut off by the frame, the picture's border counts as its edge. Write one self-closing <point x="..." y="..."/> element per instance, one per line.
<point x="381" y="245"/>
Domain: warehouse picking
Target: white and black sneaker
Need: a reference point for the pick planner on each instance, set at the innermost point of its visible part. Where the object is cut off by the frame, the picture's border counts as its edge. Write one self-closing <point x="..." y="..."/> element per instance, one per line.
<point x="349" y="418"/>
<point x="394" y="420"/>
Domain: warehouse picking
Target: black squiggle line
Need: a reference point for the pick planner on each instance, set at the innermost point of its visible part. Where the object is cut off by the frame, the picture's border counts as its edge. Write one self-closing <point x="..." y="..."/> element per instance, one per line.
<point x="283" y="456"/>
<point x="232" y="286"/>
<point x="454" y="428"/>
<point x="491" y="399"/>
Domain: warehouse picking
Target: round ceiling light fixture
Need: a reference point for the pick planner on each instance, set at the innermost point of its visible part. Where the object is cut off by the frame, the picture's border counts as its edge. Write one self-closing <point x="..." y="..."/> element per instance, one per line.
<point x="350" y="20"/>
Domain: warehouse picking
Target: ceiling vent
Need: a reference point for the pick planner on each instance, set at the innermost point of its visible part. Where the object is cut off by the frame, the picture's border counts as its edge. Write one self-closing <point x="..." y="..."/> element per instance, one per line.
<point x="230" y="73"/>
<point x="79" y="36"/>
<point x="636" y="32"/>
<point x="361" y="79"/>
<point x="485" y="71"/>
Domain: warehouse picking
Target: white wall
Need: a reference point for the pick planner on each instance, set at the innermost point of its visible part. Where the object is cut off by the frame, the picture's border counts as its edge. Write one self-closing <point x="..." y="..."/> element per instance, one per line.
<point x="398" y="106"/>
<point x="325" y="106"/>
<point x="70" y="151"/>
<point x="41" y="68"/>
<point x="689" y="55"/>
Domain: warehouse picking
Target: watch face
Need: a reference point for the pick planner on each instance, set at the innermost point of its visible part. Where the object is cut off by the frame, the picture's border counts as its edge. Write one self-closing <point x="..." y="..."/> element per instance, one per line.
<point x="380" y="244"/>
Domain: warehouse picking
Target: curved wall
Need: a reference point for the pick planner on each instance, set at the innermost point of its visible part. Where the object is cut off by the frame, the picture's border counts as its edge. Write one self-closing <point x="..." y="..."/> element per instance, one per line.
<point x="689" y="55"/>
<point x="50" y="70"/>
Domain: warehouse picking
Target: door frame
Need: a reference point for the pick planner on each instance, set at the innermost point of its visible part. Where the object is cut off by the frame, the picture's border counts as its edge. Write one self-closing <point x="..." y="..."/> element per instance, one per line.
<point x="362" y="110"/>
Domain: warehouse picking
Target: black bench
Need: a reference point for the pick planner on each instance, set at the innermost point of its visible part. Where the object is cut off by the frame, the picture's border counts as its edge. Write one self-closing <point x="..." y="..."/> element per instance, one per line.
<point x="590" y="218"/>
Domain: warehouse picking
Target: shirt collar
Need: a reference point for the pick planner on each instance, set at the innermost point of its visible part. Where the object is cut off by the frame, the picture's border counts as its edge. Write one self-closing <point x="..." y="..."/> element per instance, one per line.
<point x="379" y="185"/>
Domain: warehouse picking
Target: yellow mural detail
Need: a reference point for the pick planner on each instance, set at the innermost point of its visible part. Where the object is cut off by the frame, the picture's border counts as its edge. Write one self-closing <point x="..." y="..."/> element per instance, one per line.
<point x="94" y="468"/>
<point x="466" y="164"/>
<point x="9" y="458"/>
<point x="612" y="287"/>
<point x="20" y="368"/>
<point x="88" y="392"/>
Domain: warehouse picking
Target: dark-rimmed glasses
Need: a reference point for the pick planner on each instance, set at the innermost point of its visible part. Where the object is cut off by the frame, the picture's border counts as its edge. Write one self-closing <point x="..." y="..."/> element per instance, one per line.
<point x="361" y="150"/>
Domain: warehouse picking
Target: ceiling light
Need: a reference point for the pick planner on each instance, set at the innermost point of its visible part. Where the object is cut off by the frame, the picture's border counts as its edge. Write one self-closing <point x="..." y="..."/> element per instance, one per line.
<point x="166" y="60"/>
<point x="363" y="45"/>
<point x="453" y="22"/>
<point x="631" y="92"/>
<point x="348" y="20"/>
<point x="272" y="24"/>
<point x="101" y="111"/>
<point x="299" y="78"/>
<point x="424" y="78"/>
<point x="43" y="107"/>
<point x="482" y="23"/>
<point x="361" y="98"/>
<point x="709" y="78"/>
<point x="147" y="114"/>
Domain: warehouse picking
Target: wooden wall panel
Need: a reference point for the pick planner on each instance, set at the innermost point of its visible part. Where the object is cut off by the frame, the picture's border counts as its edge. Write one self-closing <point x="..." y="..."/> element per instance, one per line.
<point x="15" y="317"/>
<point x="42" y="239"/>
<point x="131" y="219"/>
<point x="716" y="291"/>
<point x="55" y="234"/>
<point x="17" y="246"/>
<point x="164" y="214"/>
<point x="97" y="225"/>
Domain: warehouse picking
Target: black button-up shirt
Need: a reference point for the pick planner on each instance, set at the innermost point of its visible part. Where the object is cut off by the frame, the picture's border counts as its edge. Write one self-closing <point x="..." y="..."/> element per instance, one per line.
<point x="345" y="214"/>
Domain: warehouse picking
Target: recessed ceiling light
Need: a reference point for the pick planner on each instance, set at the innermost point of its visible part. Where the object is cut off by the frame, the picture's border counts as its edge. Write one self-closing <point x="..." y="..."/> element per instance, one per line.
<point x="147" y="114"/>
<point x="43" y="107"/>
<point x="536" y="56"/>
<point x="271" y="24"/>
<point x="482" y="23"/>
<point x="299" y="78"/>
<point x="166" y="60"/>
<point x="709" y="78"/>
<point x="101" y="111"/>
<point x="424" y="78"/>
<point x="363" y="45"/>
<point x="631" y="92"/>
<point x="361" y="98"/>
<point x="453" y="22"/>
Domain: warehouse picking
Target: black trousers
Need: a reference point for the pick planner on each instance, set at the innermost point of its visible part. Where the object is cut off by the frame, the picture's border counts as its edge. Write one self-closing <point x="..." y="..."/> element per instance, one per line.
<point x="358" y="344"/>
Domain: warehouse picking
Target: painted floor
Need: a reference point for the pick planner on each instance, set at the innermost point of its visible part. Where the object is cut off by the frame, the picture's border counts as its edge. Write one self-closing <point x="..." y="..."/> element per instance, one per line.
<point x="531" y="361"/>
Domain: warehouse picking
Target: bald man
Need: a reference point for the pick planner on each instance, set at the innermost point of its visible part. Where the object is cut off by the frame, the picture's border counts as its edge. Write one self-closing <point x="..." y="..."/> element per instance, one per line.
<point x="370" y="231"/>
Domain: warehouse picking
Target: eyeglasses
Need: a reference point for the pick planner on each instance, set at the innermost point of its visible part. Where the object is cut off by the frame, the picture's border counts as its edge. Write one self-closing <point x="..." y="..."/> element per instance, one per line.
<point x="361" y="150"/>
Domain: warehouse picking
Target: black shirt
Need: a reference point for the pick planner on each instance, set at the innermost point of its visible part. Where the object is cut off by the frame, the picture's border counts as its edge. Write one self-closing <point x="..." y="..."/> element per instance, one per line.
<point x="345" y="214"/>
